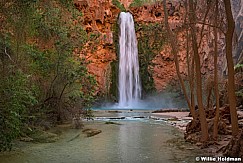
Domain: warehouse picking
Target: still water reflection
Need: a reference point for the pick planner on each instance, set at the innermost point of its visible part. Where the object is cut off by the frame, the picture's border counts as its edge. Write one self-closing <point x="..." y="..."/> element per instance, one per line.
<point x="140" y="141"/>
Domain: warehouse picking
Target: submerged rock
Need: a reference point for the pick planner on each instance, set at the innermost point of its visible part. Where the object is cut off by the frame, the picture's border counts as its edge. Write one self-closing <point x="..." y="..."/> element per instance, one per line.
<point x="91" y="132"/>
<point x="112" y="123"/>
<point x="114" y="111"/>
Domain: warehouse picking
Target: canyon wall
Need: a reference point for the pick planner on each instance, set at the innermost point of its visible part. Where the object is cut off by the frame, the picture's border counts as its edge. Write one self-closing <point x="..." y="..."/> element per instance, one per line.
<point x="237" y="9"/>
<point x="163" y="69"/>
<point x="100" y="20"/>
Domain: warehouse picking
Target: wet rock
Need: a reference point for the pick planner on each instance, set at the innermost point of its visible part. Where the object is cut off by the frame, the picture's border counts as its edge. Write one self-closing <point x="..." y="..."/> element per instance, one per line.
<point x="155" y="118"/>
<point x="114" y="111"/>
<point x="187" y="118"/>
<point x="112" y="123"/>
<point x="91" y="132"/>
<point x="173" y="119"/>
<point x="139" y="117"/>
<point x="171" y="110"/>
<point x="114" y="118"/>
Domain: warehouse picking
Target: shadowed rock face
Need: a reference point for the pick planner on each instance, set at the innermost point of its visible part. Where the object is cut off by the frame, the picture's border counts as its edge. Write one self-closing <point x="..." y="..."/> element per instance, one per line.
<point x="237" y="9"/>
<point x="99" y="16"/>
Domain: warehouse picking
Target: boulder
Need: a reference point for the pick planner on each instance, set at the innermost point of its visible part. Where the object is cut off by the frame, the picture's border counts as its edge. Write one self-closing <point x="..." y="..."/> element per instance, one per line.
<point x="91" y="132"/>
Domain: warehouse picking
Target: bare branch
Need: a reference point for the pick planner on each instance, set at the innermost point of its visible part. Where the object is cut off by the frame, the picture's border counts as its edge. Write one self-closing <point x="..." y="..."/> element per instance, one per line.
<point x="5" y="51"/>
<point x="204" y="20"/>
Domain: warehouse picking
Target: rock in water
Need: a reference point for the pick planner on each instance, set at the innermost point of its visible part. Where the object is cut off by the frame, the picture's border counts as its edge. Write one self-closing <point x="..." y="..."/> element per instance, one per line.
<point x="91" y="132"/>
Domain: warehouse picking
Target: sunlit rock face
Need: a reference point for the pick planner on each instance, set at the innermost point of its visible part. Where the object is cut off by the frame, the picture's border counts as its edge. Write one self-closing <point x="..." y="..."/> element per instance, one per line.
<point x="98" y="19"/>
<point x="99" y="16"/>
<point x="164" y="73"/>
<point x="154" y="13"/>
<point x="126" y="3"/>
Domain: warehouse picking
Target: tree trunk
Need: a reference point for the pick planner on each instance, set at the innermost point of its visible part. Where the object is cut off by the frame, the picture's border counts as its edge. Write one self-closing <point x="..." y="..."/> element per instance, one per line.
<point x="230" y="64"/>
<point x="191" y="79"/>
<point x="191" y="70"/>
<point x="174" y="47"/>
<point x="202" y="115"/>
<point x="216" y="88"/>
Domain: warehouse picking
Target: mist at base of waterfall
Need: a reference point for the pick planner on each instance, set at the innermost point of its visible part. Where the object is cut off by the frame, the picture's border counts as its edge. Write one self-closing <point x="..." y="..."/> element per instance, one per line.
<point x="150" y="102"/>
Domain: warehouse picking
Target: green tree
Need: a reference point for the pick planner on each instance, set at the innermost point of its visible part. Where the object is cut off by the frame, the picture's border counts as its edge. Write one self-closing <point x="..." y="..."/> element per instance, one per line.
<point x="42" y="75"/>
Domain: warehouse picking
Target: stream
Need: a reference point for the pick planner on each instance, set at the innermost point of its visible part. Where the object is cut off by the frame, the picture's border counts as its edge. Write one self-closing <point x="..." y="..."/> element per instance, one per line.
<point x="131" y="140"/>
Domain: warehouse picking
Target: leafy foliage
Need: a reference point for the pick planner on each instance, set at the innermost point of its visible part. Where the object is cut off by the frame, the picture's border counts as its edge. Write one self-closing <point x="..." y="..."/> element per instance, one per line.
<point x="150" y="41"/>
<point x="16" y="96"/>
<point x="237" y="66"/>
<point x="137" y="3"/>
<point x="42" y="74"/>
<point x="118" y="5"/>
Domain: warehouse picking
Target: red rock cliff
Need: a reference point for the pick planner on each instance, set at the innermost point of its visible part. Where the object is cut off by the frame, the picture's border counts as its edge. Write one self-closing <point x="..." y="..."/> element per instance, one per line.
<point x="164" y="72"/>
<point x="98" y="19"/>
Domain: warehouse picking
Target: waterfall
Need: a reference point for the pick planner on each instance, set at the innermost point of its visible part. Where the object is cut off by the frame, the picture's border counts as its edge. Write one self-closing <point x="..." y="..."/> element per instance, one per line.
<point x="129" y="83"/>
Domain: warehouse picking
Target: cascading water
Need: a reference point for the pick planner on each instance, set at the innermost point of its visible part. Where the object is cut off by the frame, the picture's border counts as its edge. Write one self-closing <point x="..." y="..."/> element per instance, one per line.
<point x="129" y="82"/>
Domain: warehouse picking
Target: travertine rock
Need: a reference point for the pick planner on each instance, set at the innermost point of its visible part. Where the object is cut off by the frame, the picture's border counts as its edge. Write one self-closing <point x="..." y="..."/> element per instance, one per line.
<point x="99" y="16"/>
<point x="98" y="19"/>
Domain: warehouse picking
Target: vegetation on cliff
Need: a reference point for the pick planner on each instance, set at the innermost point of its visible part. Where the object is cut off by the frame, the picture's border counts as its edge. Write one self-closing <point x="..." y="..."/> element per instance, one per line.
<point x="42" y="77"/>
<point x="119" y="5"/>
<point x="150" y="42"/>
<point x="137" y="3"/>
<point x="44" y="81"/>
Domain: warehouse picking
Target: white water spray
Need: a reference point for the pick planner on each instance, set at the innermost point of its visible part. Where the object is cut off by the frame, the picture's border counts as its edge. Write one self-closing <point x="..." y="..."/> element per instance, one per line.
<point x="129" y="82"/>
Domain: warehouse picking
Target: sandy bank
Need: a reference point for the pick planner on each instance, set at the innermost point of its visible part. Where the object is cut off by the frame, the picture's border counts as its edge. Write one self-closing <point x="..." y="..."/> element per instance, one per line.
<point x="178" y="115"/>
<point x="177" y="119"/>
